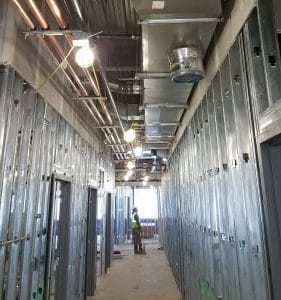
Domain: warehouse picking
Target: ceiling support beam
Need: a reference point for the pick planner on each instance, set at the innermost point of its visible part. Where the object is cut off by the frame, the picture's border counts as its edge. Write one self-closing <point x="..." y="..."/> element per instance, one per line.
<point x="239" y="15"/>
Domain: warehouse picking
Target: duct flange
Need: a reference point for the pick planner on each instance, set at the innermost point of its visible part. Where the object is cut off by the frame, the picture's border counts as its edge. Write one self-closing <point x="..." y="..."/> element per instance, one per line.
<point x="186" y="64"/>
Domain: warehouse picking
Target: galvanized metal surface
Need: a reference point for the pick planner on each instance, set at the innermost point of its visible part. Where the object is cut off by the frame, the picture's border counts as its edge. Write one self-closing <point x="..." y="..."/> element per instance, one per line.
<point x="123" y="205"/>
<point x="158" y="40"/>
<point x="36" y="143"/>
<point x="170" y="9"/>
<point x="264" y="73"/>
<point x="210" y="202"/>
<point x="159" y="91"/>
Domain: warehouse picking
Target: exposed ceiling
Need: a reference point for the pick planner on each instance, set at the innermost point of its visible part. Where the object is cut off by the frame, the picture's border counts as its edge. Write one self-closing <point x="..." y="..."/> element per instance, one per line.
<point x="133" y="39"/>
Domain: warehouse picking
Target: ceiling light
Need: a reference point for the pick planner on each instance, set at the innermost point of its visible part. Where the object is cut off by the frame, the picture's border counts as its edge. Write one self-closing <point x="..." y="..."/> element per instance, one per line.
<point x="126" y="177"/>
<point x="144" y="183"/>
<point x="164" y="159"/>
<point x="158" y="4"/>
<point x="130" y="165"/>
<point x="130" y="173"/>
<point x="145" y="178"/>
<point x="84" y="57"/>
<point x="138" y="151"/>
<point x="129" y="135"/>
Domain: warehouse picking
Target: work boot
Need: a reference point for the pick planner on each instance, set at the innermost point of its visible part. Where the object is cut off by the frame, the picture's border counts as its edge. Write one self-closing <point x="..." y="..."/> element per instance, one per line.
<point x="142" y="250"/>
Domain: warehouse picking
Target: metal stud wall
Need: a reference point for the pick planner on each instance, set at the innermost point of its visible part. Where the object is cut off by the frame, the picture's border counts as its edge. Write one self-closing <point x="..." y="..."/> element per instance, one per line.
<point x="210" y="198"/>
<point x="122" y="220"/>
<point x="37" y="144"/>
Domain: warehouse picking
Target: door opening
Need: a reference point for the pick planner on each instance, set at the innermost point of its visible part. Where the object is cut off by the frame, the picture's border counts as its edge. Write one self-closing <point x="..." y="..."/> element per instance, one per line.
<point x="58" y="241"/>
<point x="91" y="257"/>
<point x="108" y="232"/>
<point x="271" y="164"/>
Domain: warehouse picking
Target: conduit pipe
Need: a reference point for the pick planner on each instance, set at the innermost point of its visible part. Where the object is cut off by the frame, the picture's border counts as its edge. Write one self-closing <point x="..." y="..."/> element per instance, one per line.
<point x="61" y="53"/>
<point x="101" y="102"/>
<point x="43" y="43"/>
<point x="55" y="60"/>
<point x="112" y="99"/>
<point x="44" y="25"/>
<point x="36" y="12"/>
<point x="103" y="130"/>
<point x="31" y="26"/>
<point x="57" y="14"/>
<point x="24" y="15"/>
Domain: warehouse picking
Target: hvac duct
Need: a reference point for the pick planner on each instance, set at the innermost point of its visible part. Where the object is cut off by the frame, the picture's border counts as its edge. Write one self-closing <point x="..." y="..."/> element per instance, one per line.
<point x="186" y="64"/>
<point x="125" y="86"/>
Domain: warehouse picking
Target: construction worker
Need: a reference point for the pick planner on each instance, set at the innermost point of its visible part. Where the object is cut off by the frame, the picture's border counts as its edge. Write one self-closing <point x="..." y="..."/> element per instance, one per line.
<point x="136" y="228"/>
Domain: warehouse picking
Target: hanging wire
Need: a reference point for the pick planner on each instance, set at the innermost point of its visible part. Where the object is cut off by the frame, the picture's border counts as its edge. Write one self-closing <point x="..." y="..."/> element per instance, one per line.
<point x="61" y="65"/>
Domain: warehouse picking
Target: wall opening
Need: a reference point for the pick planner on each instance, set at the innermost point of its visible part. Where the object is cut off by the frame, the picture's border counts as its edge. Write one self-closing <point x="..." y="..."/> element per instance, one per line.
<point x="58" y="240"/>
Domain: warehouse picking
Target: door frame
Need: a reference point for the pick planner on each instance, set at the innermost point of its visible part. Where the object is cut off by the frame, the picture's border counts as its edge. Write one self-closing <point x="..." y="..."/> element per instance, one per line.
<point x="91" y="242"/>
<point x="67" y="180"/>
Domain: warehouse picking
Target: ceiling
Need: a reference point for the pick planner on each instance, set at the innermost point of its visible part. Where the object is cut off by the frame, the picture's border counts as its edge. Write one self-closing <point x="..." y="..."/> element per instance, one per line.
<point x="133" y="39"/>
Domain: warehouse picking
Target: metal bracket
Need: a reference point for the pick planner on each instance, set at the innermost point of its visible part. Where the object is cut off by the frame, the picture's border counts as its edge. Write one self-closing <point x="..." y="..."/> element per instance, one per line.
<point x="49" y="32"/>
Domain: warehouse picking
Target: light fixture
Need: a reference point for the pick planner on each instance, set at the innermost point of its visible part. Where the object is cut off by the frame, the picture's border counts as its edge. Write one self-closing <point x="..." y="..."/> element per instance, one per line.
<point x="138" y="151"/>
<point x="129" y="135"/>
<point x="130" y="165"/>
<point x="144" y="183"/>
<point x="130" y="173"/>
<point x="84" y="57"/>
<point x="126" y="177"/>
<point x="164" y="159"/>
<point x="145" y="178"/>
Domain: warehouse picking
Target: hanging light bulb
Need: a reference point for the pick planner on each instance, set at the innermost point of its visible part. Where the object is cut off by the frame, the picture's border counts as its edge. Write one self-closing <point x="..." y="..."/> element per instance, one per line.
<point x="138" y="151"/>
<point x="145" y="178"/>
<point x="144" y="183"/>
<point x="126" y="177"/>
<point x="130" y="165"/>
<point x="84" y="57"/>
<point x="129" y="135"/>
<point x="130" y="173"/>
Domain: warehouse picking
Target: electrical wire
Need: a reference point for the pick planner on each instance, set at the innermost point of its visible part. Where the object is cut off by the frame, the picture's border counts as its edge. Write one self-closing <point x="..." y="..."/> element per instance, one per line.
<point x="55" y="71"/>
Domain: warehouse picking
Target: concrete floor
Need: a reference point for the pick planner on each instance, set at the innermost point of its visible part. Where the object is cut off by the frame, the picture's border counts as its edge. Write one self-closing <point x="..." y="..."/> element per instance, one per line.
<point x="138" y="277"/>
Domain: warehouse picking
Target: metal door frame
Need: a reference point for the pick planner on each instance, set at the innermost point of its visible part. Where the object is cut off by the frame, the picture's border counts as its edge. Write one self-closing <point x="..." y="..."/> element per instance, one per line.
<point x="272" y="220"/>
<point x="108" y="231"/>
<point x="63" y="282"/>
<point x="91" y="237"/>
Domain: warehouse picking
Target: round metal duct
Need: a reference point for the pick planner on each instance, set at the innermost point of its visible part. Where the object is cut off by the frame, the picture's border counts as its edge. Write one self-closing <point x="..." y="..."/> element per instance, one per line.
<point x="186" y="64"/>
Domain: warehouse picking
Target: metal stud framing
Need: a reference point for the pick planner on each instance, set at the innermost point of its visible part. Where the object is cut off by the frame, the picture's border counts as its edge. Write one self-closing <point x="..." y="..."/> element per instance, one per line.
<point x="35" y="142"/>
<point x="210" y="198"/>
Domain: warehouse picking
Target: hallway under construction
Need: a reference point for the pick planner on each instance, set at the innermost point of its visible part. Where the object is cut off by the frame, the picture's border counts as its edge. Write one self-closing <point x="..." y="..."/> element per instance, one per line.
<point x="168" y="109"/>
<point x="142" y="277"/>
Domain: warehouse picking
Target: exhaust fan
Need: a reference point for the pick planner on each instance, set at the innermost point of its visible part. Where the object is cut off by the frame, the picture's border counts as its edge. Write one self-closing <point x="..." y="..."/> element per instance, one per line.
<point x="186" y="64"/>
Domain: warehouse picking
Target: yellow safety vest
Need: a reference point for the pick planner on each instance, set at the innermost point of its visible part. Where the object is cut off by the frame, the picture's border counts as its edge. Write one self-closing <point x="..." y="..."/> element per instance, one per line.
<point x="134" y="223"/>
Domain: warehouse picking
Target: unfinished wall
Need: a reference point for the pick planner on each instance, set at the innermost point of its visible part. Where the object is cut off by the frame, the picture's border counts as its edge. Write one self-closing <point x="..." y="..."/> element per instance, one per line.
<point x="122" y="218"/>
<point x="212" y="208"/>
<point x="34" y="64"/>
<point x="37" y="146"/>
